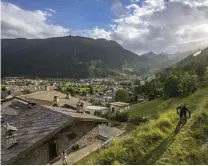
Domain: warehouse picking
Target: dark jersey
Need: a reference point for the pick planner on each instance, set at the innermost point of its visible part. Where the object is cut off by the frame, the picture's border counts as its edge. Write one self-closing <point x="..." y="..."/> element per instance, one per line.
<point x="183" y="111"/>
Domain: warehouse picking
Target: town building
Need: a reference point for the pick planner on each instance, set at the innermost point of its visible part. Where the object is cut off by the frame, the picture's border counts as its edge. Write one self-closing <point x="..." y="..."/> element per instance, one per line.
<point x="54" y="98"/>
<point x="32" y="134"/>
<point x="119" y="106"/>
<point x="96" y="110"/>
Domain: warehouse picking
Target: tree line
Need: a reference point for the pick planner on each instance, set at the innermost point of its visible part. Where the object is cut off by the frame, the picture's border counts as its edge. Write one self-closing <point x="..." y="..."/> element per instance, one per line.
<point x="177" y="82"/>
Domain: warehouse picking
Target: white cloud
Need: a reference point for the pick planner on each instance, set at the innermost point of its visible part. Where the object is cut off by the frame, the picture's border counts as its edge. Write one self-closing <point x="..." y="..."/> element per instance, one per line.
<point x="162" y="26"/>
<point x="51" y="10"/>
<point x="17" y="22"/>
<point x="118" y="8"/>
<point x="154" y="25"/>
<point x="95" y="33"/>
<point x="193" y="3"/>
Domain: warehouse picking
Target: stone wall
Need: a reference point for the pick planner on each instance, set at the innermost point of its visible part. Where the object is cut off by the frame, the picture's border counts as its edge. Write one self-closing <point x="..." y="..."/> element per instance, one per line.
<point x="80" y="128"/>
<point x="40" y="154"/>
<point x="89" y="137"/>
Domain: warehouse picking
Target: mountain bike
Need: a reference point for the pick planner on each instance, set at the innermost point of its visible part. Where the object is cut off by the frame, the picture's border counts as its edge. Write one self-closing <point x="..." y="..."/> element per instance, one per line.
<point x="181" y="123"/>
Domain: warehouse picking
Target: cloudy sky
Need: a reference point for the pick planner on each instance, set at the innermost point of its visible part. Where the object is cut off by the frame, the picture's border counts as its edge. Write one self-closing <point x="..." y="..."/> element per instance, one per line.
<point x="138" y="25"/>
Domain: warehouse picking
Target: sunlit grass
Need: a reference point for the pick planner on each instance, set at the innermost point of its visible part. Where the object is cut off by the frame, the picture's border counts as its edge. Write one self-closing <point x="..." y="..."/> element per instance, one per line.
<point x="197" y="53"/>
<point x="146" y="109"/>
<point x="155" y="142"/>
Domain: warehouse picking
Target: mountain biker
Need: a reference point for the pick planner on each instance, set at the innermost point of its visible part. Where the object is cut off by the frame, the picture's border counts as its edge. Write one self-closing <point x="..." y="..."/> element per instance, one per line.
<point x="182" y="113"/>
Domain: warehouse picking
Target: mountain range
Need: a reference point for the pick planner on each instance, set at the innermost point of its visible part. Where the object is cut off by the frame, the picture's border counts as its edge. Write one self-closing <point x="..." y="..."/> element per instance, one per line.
<point x="75" y="57"/>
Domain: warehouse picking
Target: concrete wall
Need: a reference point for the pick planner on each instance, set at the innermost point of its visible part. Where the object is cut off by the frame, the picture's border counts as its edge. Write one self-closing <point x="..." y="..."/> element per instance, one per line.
<point x="92" y="111"/>
<point x="116" y="108"/>
<point x="119" y="108"/>
<point x="40" y="154"/>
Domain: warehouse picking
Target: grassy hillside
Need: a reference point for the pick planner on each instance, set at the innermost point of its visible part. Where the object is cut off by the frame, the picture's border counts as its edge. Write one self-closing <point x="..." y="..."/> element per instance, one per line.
<point x="146" y="109"/>
<point x="191" y="145"/>
<point x="156" y="143"/>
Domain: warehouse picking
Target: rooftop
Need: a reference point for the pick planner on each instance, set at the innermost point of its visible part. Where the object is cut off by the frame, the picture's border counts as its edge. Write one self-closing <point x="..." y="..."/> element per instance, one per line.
<point x="92" y="107"/>
<point x="34" y="125"/>
<point x="43" y="95"/>
<point x="48" y="96"/>
<point x="109" y="132"/>
<point x="120" y="104"/>
<point x="74" y="114"/>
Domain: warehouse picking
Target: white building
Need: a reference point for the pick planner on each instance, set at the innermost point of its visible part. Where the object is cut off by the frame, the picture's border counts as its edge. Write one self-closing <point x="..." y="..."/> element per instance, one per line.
<point x="119" y="106"/>
<point x="94" y="109"/>
<point x="107" y="97"/>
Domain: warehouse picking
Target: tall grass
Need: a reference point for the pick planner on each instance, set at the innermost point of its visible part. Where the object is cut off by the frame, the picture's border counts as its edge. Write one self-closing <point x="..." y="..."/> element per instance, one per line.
<point x="146" y="142"/>
<point x="191" y="143"/>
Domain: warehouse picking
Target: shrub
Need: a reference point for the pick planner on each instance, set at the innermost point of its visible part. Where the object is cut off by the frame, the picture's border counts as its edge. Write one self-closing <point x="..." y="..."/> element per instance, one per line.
<point x="75" y="147"/>
<point x="188" y="84"/>
<point x="171" y="86"/>
<point x="106" y="115"/>
<point x="150" y="137"/>
<point x="120" y="116"/>
<point x="164" y="124"/>
<point x="98" y="113"/>
<point x="201" y="119"/>
<point x="138" y="120"/>
<point x="122" y="95"/>
<point x="3" y="88"/>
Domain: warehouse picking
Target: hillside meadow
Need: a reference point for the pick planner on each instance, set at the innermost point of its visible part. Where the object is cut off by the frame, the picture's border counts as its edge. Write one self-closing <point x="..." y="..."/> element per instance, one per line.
<point x="155" y="142"/>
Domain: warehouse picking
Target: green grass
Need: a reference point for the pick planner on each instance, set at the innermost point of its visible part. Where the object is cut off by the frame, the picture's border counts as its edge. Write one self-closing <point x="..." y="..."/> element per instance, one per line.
<point x="128" y="126"/>
<point x="2" y="85"/>
<point x="146" y="109"/>
<point x="155" y="142"/>
<point x="189" y="143"/>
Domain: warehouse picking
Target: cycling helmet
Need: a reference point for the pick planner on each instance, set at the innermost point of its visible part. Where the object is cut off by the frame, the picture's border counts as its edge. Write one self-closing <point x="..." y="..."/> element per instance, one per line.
<point x="182" y="105"/>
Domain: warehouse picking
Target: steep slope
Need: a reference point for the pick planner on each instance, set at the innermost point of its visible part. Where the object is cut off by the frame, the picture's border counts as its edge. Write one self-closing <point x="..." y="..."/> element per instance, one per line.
<point x="190" y="146"/>
<point x="190" y="63"/>
<point x="69" y="56"/>
<point x="202" y="57"/>
<point x="157" y="62"/>
<point x="178" y="56"/>
<point x="164" y="60"/>
<point x="156" y="143"/>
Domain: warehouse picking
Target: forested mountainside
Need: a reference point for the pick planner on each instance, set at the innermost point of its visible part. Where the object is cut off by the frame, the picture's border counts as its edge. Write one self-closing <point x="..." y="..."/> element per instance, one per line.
<point x="70" y="56"/>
